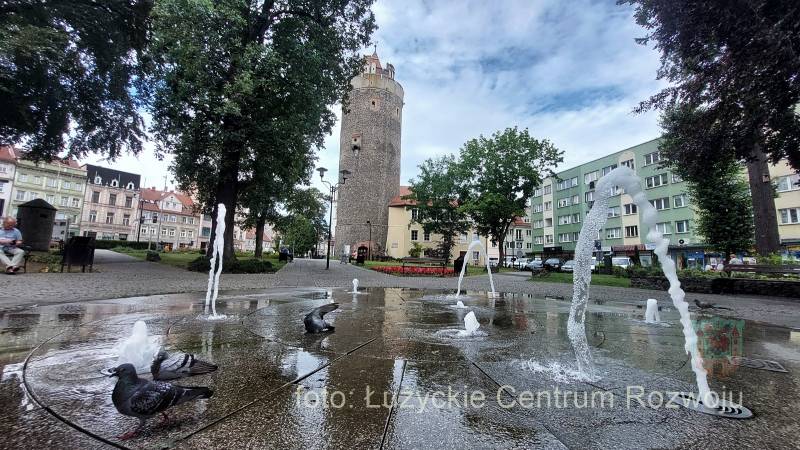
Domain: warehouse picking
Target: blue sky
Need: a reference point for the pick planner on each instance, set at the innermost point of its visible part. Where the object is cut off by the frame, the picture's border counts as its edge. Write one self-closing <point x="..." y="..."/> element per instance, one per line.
<point x="569" y="71"/>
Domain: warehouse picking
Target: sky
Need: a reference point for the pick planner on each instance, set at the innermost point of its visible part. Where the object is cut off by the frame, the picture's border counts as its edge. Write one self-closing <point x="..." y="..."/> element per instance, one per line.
<point x="569" y="71"/>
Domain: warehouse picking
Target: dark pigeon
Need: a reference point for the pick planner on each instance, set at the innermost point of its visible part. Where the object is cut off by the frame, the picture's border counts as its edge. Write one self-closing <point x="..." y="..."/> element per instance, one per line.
<point x="143" y="399"/>
<point x="703" y="305"/>
<point x="314" y="321"/>
<point x="165" y="368"/>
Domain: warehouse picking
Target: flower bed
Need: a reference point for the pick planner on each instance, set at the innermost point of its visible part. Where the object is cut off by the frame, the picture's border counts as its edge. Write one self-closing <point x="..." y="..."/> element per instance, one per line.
<point x="415" y="271"/>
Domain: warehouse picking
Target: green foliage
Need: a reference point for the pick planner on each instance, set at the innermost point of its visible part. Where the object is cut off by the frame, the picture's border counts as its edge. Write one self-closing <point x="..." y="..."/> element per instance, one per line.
<point x="435" y="196"/>
<point x="243" y="92"/>
<point x="299" y="234"/>
<point x="203" y="264"/>
<point x="67" y="76"/>
<point x="416" y="250"/>
<point x="734" y="62"/>
<point x="152" y="256"/>
<point x="497" y="176"/>
<point x="109" y="244"/>
<point x="777" y="259"/>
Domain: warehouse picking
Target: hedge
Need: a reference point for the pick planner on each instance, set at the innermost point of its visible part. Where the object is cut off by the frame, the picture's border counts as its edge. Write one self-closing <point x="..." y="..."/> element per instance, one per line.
<point x="203" y="264"/>
<point x="108" y="244"/>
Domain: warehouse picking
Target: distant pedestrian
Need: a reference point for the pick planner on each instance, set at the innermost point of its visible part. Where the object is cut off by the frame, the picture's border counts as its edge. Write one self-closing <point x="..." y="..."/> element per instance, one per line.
<point x="733" y="259"/>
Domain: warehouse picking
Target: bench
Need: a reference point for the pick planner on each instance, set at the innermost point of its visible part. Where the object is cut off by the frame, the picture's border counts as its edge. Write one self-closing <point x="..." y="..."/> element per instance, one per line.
<point x="422" y="262"/>
<point x="27" y="249"/>
<point x="762" y="268"/>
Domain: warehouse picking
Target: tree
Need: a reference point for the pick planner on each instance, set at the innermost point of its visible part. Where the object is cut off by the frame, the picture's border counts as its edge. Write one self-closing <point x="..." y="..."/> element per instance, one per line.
<point x="497" y="176"/>
<point x="240" y="81"/>
<point x="724" y="214"/>
<point x="299" y="234"/>
<point x="435" y="196"/>
<point x="733" y="65"/>
<point x="68" y="73"/>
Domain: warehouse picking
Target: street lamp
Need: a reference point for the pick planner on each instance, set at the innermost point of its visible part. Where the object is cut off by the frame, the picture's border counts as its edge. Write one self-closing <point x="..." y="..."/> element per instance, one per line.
<point x="333" y="188"/>
<point x="369" y="250"/>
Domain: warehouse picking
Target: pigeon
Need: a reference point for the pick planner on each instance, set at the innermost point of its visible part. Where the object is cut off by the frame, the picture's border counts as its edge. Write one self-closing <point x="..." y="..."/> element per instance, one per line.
<point x="165" y="368"/>
<point x="314" y="321"/>
<point x="144" y="399"/>
<point x="703" y="305"/>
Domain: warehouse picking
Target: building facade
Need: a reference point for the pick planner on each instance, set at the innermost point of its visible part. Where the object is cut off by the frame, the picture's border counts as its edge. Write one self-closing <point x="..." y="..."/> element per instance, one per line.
<point x="8" y="166"/>
<point x="371" y="124"/>
<point x="111" y="204"/>
<point x="59" y="183"/>
<point x="170" y="218"/>
<point x="787" y="204"/>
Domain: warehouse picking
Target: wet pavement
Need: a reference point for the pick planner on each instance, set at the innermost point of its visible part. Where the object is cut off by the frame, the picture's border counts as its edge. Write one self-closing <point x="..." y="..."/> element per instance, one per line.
<point x="394" y="374"/>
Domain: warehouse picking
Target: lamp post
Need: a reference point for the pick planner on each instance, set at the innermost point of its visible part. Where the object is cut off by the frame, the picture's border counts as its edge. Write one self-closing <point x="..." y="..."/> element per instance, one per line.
<point x="333" y="188"/>
<point x="369" y="250"/>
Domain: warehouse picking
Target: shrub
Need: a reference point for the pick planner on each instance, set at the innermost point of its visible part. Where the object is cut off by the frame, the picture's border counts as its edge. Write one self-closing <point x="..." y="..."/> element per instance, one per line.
<point x="108" y="244"/>
<point x="152" y="256"/>
<point x="203" y="264"/>
<point x="415" y="271"/>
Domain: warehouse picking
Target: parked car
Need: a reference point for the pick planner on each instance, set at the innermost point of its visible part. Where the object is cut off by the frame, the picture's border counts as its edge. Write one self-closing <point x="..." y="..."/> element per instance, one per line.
<point x="533" y="265"/>
<point x="553" y="264"/>
<point x="621" y="261"/>
<point x="569" y="266"/>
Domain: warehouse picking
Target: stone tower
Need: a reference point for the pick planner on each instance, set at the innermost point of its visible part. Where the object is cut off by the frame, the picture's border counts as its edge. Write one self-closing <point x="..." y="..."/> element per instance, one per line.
<point x="371" y="121"/>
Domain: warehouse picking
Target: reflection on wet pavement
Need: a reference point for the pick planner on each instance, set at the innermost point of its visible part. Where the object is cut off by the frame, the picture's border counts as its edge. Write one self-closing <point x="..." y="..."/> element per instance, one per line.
<point x="388" y="376"/>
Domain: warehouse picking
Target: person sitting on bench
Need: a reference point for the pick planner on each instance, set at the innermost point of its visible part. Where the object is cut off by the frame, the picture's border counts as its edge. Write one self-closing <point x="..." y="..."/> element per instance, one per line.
<point x="11" y="239"/>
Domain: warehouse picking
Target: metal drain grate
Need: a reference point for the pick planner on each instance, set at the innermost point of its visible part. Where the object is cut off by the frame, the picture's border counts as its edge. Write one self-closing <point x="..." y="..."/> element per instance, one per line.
<point x="760" y="364"/>
<point x="724" y="409"/>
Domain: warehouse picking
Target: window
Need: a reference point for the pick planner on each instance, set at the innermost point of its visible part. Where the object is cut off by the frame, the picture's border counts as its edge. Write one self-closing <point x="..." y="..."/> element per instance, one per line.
<point x="630" y="208"/>
<point x="589" y="177"/>
<point x="576" y="199"/>
<point x="787" y="183"/>
<point x="676" y="178"/>
<point x="173" y="219"/>
<point x="613" y="211"/>
<point x="183" y="219"/>
<point x="548" y="189"/>
<point x="613" y="233"/>
<point x="98" y="179"/>
<point x="66" y="185"/>
<point x="95" y="196"/>
<point x="51" y="198"/>
<point x="37" y="180"/>
<point x="123" y="236"/>
<point x="527" y="232"/>
<point x="110" y="217"/>
<point x="183" y="233"/>
<point x="563" y="202"/>
<point x="565" y="220"/>
<point x="576" y="218"/>
<point x="548" y="239"/>
<point x="23" y="177"/>
<point x="191" y="220"/>
<point x="679" y="201"/>
<point x="20" y="195"/>
<point x="682" y="226"/>
<point x="528" y="245"/>
<point x="565" y="237"/>
<point x="538" y="240"/>
<point x="573" y="181"/>
<point x="664" y="227"/>
<point x="518" y="234"/>
<point x="130" y="186"/>
<point x="153" y="230"/>
<point x="92" y="216"/>
<point x="548" y="222"/>
<point x="660" y="203"/>
<point x="128" y="201"/>
<point x="190" y="234"/>
<point x="64" y="201"/>
<point x="632" y="231"/>
<point x="789" y="215"/>
<point x="114" y="183"/>
<point x="656" y="180"/>
<point x="205" y="232"/>
<point x="112" y="199"/>
<point x="629" y="164"/>
<point x="126" y="219"/>
<point x="526" y="219"/>
<point x="172" y="232"/>
<point x="616" y="190"/>
<point x="76" y="202"/>
<point x="652" y="158"/>
<point x="537" y="208"/>
<point x="52" y="182"/>
<point x="561" y="185"/>
<point x="606" y="170"/>
<point x="538" y="223"/>
<point x="414" y="235"/>
<point x="426" y="236"/>
<point x="163" y="231"/>
<point x="414" y="214"/>
<point x="589" y="196"/>
<point x="537" y="192"/>
<point x="548" y="206"/>
<point x="34" y="195"/>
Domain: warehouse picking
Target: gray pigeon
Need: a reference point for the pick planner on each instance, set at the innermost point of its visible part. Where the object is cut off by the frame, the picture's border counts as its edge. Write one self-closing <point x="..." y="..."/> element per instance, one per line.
<point x="165" y="368"/>
<point x="703" y="305"/>
<point x="144" y="399"/>
<point x="314" y="321"/>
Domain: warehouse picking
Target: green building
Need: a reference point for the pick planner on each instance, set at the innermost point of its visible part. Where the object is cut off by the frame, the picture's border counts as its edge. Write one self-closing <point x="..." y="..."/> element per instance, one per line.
<point x="560" y="206"/>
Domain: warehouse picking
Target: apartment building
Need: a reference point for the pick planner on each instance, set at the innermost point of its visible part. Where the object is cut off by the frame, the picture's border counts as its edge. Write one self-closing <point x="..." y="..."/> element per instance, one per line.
<point x="59" y="183"/>
<point x="787" y="204"/>
<point x="111" y="204"/>
<point x="170" y="218"/>
<point x="8" y="166"/>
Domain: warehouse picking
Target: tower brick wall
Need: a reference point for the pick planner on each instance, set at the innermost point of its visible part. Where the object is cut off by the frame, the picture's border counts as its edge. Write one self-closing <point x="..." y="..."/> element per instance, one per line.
<point x="372" y="121"/>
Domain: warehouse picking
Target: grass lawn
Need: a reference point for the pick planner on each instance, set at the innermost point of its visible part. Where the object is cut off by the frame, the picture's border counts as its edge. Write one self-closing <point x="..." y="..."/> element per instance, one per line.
<point x="181" y="259"/>
<point x="597" y="279"/>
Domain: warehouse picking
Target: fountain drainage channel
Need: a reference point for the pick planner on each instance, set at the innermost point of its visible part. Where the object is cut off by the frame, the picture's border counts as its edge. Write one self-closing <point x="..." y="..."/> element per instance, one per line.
<point x="401" y="371"/>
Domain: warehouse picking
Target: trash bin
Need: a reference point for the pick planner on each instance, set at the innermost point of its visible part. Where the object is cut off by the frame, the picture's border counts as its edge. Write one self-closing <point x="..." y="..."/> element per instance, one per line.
<point x="35" y="221"/>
